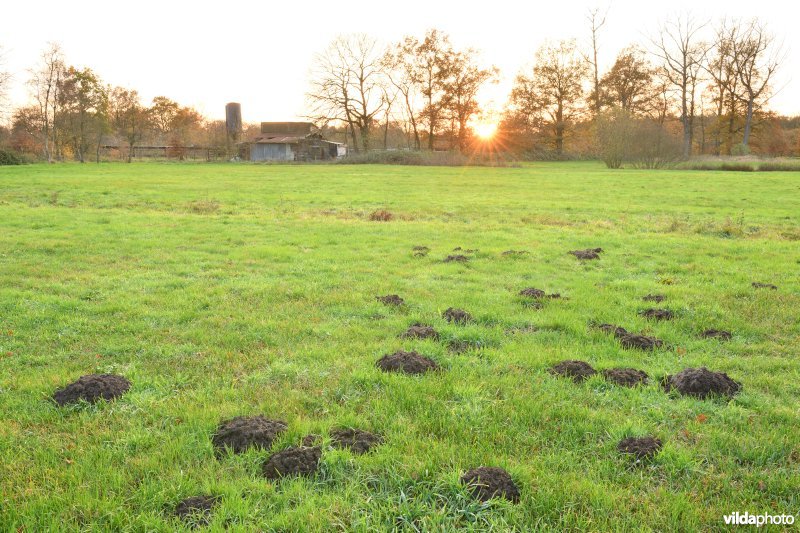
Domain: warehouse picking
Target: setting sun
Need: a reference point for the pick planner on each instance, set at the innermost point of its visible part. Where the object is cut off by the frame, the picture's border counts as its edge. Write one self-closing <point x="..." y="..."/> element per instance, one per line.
<point x="485" y="130"/>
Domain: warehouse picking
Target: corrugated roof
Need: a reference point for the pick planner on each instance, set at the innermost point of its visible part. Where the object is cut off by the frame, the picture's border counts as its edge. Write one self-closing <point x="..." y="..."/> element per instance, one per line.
<point x="278" y="139"/>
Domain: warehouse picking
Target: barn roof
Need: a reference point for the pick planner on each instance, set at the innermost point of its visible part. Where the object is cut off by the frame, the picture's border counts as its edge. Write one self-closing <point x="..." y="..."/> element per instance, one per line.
<point x="278" y="139"/>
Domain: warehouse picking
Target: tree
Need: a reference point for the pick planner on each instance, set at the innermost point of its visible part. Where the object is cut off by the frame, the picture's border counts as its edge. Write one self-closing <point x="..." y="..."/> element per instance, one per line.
<point x="348" y="85"/>
<point x="400" y="67"/>
<point x="84" y="108"/>
<point x="551" y="95"/>
<point x="44" y="85"/>
<point x="5" y="80"/>
<point x="129" y="117"/>
<point x="629" y="83"/>
<point x="462" y="82"/>
<point x="596" y="22"/>
<point x="681" y="54"/>
<point x="756" y="58"/>
<point x="721" y="67"/>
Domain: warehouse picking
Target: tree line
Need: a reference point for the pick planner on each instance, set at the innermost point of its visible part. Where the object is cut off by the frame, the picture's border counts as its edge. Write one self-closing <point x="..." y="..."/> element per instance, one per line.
<point x="695" y="87"/>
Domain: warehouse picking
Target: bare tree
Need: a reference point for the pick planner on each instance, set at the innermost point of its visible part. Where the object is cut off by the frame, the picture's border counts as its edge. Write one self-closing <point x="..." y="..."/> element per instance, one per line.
<point x="463" y="81"/>
<point x="44" y="85"/>
<point x="129" y="117"/>
<point x="596" y="21"/>
<point x="399" y="63"/>
<point x="348" y="85"/>
<point x="756" y="56"/>
<point x="681" y="54"/>
<point x="5" y="80"/>
<point x="721" y="67"/>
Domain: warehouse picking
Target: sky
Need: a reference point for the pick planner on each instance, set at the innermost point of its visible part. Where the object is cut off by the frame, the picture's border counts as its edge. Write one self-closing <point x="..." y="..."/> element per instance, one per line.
<point x="260" y="53"/>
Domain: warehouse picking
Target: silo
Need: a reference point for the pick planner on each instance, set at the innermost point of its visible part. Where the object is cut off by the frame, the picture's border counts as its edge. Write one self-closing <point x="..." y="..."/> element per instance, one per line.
<point x="233" y="120"/>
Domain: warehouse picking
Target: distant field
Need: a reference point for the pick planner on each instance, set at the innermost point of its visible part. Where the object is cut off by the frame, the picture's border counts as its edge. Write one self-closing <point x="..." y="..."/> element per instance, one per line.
<point x="221" y="290"/>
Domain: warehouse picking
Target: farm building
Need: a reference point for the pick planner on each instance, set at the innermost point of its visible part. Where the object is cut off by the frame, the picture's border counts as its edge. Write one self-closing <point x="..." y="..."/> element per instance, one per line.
<point x="293" y="141"/>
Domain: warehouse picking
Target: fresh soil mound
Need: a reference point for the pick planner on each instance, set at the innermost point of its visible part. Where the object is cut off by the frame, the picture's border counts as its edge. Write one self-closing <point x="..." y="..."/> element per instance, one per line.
<point x="457" y="316"/>
<point x="356" y="440"/>
<point x="641" y="448"/>
<point x="589" y="253"/>
<point x="406" y="362"/>
<point x="419" y="331"/>
<point x="702" y="383"/>
<point x="310" y="440"/>
<point x="720" y="334"/>
<point x="532" y="292"/>
<point x="658" y="314"/>
<point x="390" y="299"/>
<point x="92" y="388"/>
<point x="420" y="251"/>
<point x="456" y="259"/>
<point x="758" y="285"/>
<point x="658" y="298"/>
<point x="640" y="342"/>
<point x="293" y="461"/>
<point x="575" y="370"/>
<point x="487" y="482"/>
<point x="381" y="215"/>
<point x="626" y="377"/>
<point x="617" y="331"/>
<point x="196" y="509"/>
<point x="243" y="432"/>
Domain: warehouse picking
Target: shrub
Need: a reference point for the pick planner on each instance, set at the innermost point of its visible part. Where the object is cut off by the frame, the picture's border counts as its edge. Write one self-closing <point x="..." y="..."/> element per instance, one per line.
<point x="642" y="143"/>
<point x="7" y="157"/>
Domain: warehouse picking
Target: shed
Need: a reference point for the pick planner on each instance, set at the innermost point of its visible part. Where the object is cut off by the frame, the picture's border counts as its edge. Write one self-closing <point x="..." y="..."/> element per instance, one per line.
<point x="293" y="141"/>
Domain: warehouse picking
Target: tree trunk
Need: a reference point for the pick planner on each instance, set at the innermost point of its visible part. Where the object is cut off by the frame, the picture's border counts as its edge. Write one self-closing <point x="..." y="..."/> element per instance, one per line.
<point x="748" y="122"/>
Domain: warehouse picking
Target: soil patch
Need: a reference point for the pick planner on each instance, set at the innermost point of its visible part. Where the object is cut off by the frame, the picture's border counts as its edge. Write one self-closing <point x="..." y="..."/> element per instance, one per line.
<point x="461" y="346"/>
<point x="627" y="377"/>
<point x="293" y="461"/>
<point x="642" y="448"/>
<point x="356" y="440"/>
<point x="532" y="292"/>
<point x="197" y="509"/>
<point x="758" y="285"/>
<point x="420" y="251"/>
<point x="243" y="432"/>
<point x="420" y="331"/>
<point x="92" y="388"/>
<point x="575" y="370"/>
<point x="487" y="482"/>
<point x="658" y="298"/>
<point x="702" y="383"/>
<point x="406" y="362"/>
<point x="658" y="314"/>
<point x="515" y="252"/>
<point x="589" y="253"/>
<point x="456" y="259"/>
<point x="381" y="215"/>
<point x="640" y="342"/>
<point x="458" y="316"/>
<point x="311" y="440"/>
<point x="465" y="250"/>
<point x="390" y="299"/>
<point x="719" y="334"/>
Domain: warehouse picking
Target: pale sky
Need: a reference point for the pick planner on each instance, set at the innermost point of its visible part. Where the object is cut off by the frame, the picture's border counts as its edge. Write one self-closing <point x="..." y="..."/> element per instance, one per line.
<point x="259" y="53"/>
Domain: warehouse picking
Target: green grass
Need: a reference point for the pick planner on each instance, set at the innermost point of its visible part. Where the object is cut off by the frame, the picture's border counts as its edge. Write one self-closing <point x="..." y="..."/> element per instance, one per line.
<point x="224" y="290"/>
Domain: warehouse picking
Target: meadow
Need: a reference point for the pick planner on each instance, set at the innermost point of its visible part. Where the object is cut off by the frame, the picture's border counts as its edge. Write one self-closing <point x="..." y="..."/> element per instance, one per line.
<point x="222" y="290"/>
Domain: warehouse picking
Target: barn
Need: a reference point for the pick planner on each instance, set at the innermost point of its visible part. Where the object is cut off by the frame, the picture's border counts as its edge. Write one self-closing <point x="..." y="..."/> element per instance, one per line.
<point x="293" y="141"/>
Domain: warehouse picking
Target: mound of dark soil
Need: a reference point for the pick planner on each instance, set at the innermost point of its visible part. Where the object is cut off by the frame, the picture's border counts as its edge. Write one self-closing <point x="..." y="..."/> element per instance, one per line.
<point x="196" y="509"/>
<point x="456" y="259"/>
<point x="758" y="285"/>
<point x="589" y="253"/>
<point x="627" y="377"/>
<point x="457" y="316"/>
<point x="641" y="448"/>
<point x="575" y="370"/>
<point x="487" y="482"/>
<point x="240" y="433"/>
<point x="640" y="342"/>
<point x="390" y="299"/>
<point x="293" y="461"/>
<point x="617" y="331"/>
<point x="532" y="292"/>
<point x="420" y="331"/>
<point x="381" y="215"/>
<point x="311" y="439"/>
<point x="719" y="334"/>
<point x="406" y="362"/>
<point x="92" y="388"/>
<point x="702" y="383"/>
<point x="658" y="298"/>
<point x="515" y="252"/>
<point x="356" y="440"/>
<point x="658" y="314"/>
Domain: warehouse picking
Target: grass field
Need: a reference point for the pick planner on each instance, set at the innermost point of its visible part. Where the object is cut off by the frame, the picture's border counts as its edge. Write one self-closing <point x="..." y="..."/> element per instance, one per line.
<point x="225" y="290"/>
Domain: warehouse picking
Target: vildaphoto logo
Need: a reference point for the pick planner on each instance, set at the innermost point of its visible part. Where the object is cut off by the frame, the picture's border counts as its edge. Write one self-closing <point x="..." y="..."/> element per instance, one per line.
<point x="758" y="520"/>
